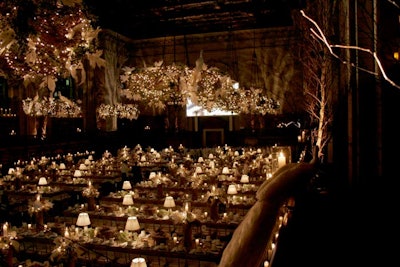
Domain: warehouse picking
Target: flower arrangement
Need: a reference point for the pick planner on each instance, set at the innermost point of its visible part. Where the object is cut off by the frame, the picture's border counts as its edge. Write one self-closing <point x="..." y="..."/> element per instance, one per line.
<point x="90" y="191"/>
<point x="183" y="217"/>
<point x="65" y="250"/>
<point x="39" y="204"/>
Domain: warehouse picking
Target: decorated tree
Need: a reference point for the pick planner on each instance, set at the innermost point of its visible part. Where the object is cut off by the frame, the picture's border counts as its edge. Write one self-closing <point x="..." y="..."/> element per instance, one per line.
<point x="43" y="41"/>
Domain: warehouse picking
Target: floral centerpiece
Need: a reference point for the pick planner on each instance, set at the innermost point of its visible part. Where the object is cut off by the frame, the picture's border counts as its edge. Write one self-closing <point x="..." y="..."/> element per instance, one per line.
<point x="90" y="192"/>
<point x="37" y="207"/>
<point x="187" y="219"/>
<point x="65" y="251"/>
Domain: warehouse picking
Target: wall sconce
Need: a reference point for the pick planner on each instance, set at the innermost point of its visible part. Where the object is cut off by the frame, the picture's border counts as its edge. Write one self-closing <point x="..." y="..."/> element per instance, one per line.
<point x="396" y="56"/>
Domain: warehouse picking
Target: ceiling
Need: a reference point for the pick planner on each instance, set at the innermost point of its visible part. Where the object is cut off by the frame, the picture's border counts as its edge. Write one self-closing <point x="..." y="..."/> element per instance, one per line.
<point x="143" y="19"/>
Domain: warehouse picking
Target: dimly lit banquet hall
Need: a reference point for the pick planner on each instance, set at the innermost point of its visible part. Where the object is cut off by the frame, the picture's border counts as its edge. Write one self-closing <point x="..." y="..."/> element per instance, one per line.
<point x="190" y="133"/>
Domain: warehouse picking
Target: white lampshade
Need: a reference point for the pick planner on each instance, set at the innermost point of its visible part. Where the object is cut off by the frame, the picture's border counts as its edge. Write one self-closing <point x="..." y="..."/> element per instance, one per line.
<point x="42" y="181"/>
<point x="244" y="178"/>
<point x="62" y="166"/>
<point x="87" y="162"/>
<point x="83" y="219"/>
<point x="152" y="175"/>
<point x="82" y="167"/>
<point x="77" y="173"/>
<point x="126" y="185"/>
<point x="200" y="159"/>
<point x="90" y="157"/>
<point x="225" y="170"/>
<point x="198" y="169"/>
<point x="169" y="202"/>
<point x="232" y="189"/>
<point x="11" y="170"/>
<point x="138" y="262"/>
<point x="210" y="156"/>
<point x="132" y="224"/>
<point x="128" y="200"/>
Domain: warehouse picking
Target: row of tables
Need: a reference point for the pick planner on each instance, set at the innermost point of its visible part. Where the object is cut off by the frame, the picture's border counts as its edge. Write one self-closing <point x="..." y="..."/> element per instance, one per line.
<point x="110" y="215"/>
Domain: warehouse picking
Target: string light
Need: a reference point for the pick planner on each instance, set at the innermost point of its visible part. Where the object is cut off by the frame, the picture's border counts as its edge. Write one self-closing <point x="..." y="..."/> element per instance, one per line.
<point x="161" y="85"/>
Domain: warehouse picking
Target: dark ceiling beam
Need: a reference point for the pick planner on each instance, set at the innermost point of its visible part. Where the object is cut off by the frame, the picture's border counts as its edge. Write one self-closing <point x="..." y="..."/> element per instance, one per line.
<point x="156" y="18"/>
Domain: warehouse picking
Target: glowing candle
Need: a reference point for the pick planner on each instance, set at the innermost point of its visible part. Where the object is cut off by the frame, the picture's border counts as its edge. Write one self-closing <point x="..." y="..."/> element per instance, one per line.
<point x="281" y="160"/>
<point x="5" y="229"/>
<point x="66" y="232"/>
<point x="186" y="206"/>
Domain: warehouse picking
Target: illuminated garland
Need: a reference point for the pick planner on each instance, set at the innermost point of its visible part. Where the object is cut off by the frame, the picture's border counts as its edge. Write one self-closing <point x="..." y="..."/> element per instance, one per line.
<point x="157" y="86"/>
<point x="41" y="41"/>
<point x="255" y="102"/>
<point x="162" y="85"/>
<point x="123" y="111"/>
<point x="51" y="107"/>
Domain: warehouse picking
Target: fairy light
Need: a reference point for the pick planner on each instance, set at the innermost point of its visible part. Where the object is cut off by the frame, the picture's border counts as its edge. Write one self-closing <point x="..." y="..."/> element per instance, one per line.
<point x="52" y="44"/>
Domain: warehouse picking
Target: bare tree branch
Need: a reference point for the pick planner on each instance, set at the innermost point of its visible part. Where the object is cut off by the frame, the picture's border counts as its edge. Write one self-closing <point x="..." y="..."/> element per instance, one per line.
<point x="318" y="33"/>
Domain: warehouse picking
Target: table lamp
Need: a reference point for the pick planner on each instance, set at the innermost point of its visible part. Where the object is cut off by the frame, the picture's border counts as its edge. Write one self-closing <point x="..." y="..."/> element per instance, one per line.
<point x="232" y="189"/>
<point x="244" y="179"/>
<point x="82" y="167"/>
<point x="62" y="166"/>
<point x="42" y="181"/>
<point x="11" y="171"/>
<point x="77" y="173"/>
<point x="126" y="185"/>
<point x="132" y="224"/>
<point x="138" y="262"/>
<point x="169" y="203"/>
<point x="83" y="220"/>
<point x="127" y="200"/>
<point x="41" y="184"/>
